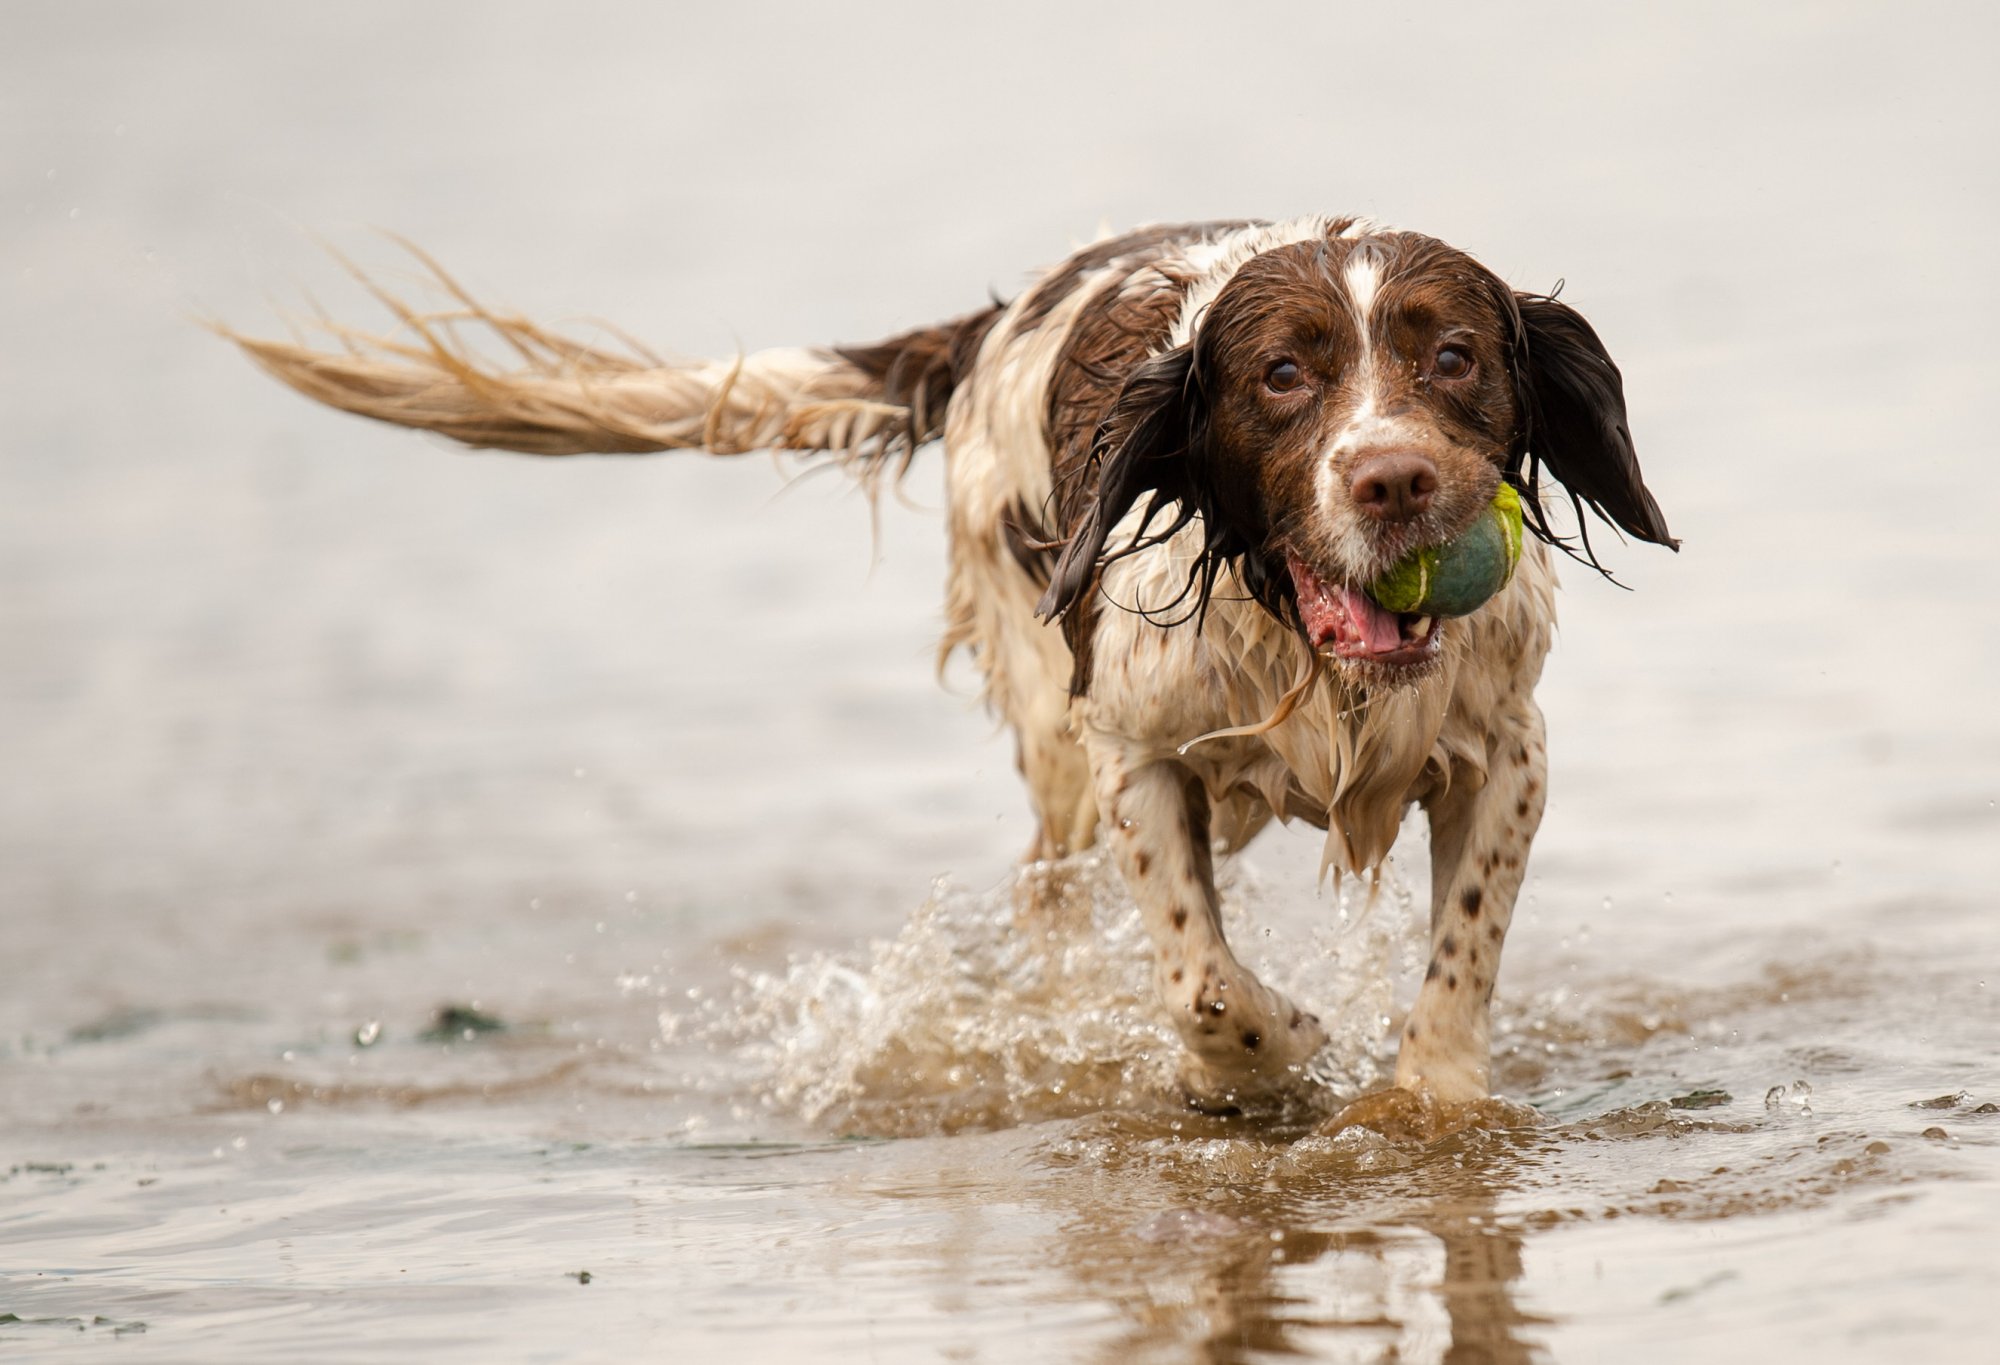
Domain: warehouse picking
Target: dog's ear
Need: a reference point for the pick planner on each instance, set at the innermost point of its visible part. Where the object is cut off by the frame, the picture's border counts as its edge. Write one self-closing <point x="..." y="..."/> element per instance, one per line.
<point x="1574" y="407"/>
<point x="1140" y="450"/>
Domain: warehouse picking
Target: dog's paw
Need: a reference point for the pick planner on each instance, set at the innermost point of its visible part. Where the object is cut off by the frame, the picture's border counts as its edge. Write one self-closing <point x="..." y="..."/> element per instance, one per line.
<point x="1262" y="1064"/>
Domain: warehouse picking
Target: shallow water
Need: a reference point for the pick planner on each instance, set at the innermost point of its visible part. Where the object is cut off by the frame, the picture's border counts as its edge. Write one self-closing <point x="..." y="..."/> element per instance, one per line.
<point x="314" y="729"/>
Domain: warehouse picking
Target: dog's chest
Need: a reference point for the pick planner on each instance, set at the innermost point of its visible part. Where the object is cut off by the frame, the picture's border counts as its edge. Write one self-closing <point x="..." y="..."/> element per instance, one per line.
<point x="1342" y="758"/>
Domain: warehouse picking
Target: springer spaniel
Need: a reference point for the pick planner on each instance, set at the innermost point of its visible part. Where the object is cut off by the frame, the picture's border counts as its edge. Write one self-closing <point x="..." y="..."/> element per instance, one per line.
<point x="1173" y="463"/>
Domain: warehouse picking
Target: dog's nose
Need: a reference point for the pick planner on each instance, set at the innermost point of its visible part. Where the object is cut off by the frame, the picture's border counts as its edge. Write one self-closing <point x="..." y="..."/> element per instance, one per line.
<point x="1394" y="487"/>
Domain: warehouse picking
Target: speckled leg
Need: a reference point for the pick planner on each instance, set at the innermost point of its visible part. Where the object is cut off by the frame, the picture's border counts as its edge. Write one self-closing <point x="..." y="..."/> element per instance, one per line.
<point x="1479" y="852"/>
<point x="1244" y="1040"/>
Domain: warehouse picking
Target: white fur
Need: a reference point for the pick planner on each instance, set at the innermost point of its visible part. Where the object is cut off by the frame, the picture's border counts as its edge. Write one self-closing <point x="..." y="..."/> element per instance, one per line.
<point x="1363" y="277"/>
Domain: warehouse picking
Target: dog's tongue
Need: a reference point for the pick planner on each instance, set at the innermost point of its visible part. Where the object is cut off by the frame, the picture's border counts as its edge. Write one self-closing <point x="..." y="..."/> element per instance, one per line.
<point x="1342" y="615"/>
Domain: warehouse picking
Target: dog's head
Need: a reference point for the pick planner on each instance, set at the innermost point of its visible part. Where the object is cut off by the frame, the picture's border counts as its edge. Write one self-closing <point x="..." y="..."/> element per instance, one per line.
<point x="1340" y="402"/>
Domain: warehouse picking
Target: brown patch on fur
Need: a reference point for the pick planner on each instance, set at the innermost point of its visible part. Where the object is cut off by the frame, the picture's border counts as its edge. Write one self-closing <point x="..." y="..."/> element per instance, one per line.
<point x="1103" y="349"/>
<point x="1028" y="541"/>
<point x="1143" y="243"/>
<point x="1471" y="900"/>
<point x="920" y="369"/>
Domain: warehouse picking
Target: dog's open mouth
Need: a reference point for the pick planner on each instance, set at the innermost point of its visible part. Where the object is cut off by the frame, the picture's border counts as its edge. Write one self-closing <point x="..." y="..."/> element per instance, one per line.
<point x="1347" y="622"/>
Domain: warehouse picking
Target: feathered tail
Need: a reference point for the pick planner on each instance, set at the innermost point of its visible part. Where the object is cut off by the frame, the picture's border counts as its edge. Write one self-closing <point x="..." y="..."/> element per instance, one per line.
<point x="871" y="405"/>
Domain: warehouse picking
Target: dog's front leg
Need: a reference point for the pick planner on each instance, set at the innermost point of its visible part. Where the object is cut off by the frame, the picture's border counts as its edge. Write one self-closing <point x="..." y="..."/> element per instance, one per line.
<point x="1244" y="1040"/>
<point x="1479" y="853"/>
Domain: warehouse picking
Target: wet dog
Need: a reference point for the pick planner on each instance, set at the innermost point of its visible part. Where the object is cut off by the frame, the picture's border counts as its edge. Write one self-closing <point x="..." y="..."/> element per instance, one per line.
<point x="1173" y="465"/>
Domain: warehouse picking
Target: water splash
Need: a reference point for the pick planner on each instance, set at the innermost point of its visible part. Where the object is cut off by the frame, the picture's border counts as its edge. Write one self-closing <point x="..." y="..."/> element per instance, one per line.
<point x="1034" y="1000"/>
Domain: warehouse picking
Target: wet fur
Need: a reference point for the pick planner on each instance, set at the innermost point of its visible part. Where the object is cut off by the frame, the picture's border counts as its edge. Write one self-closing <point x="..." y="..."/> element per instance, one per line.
<point x="1114" y="467"/>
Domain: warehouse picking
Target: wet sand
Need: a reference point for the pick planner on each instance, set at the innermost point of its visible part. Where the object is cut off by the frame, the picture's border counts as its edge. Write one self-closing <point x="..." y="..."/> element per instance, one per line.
<point x="315" y="728"/>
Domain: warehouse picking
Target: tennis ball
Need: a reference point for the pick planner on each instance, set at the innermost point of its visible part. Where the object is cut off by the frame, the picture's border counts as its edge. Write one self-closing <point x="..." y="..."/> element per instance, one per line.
<point x="1456" y="578"/>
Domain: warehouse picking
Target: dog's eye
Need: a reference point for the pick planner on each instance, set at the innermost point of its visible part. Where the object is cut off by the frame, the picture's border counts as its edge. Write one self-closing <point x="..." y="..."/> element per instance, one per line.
<point x="1452" y="362"/>
<point x="1284" y="376"/>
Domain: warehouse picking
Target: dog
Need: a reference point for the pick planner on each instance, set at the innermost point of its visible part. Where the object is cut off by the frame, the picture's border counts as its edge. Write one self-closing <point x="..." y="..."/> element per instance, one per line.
<point x="1173" y="464"/>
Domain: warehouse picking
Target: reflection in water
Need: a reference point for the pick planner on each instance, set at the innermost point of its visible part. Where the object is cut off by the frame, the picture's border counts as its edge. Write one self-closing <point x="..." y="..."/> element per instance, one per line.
<point x="1346" y="1248"/>
<point x="1437" y="1288"/>
<point x="1482" y="1268"/>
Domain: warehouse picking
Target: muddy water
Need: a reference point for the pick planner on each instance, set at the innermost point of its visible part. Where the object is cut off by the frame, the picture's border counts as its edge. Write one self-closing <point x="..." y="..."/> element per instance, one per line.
<point x="314" y="730"/>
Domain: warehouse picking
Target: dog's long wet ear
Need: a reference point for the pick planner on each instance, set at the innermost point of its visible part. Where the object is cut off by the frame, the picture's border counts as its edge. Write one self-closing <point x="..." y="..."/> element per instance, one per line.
<point x="1139" y="450"/>
<point x="1575" y="401"/>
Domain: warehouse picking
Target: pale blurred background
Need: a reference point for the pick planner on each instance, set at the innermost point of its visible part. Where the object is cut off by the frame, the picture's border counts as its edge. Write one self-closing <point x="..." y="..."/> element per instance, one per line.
<point x="261" y="659"/>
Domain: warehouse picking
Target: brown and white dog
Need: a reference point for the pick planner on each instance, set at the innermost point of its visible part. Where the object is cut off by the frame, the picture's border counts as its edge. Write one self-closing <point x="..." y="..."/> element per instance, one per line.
<point x="1172" y="463"/>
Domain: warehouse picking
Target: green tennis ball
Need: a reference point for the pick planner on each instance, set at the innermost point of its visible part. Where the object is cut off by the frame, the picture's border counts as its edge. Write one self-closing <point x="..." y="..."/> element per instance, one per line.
<point x="1457" y="578"/>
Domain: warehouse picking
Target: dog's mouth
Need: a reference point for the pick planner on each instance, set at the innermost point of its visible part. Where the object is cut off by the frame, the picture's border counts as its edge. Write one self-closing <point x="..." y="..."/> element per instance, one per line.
<point x="1346" y="622"/>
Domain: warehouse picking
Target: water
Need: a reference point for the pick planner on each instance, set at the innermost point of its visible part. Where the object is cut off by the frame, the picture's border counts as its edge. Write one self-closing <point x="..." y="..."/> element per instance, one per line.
<point x="314" y="730"/>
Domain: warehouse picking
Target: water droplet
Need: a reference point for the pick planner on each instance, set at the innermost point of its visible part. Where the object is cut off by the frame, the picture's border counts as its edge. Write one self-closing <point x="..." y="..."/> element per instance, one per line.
<point x="1774" y="1097"/>
<point x="368" y="1033"/>
<point x="276" y="1106"/>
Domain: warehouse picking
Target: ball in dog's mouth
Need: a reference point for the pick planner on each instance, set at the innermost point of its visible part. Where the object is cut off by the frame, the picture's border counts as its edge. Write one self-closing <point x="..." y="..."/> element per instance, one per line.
<point x="1347" y="623"/>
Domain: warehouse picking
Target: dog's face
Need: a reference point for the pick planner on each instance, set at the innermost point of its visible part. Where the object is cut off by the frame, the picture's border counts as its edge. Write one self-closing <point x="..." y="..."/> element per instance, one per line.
<point x="1343" y="401"/>
<point x="1359" y="402"/>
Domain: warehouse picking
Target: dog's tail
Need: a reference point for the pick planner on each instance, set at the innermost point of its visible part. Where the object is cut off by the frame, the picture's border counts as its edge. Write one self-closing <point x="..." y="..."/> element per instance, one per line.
<point x="553" y="395"/>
